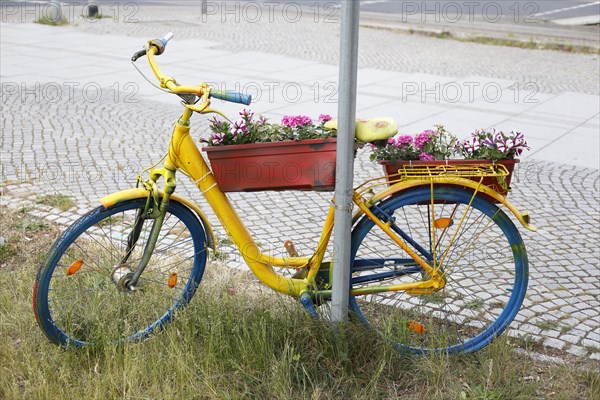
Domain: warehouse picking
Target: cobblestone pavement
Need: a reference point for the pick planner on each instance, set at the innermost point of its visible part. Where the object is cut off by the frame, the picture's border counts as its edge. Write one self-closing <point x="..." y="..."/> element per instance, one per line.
<point x="91" y="149"/>
<point x="75" y="150"/>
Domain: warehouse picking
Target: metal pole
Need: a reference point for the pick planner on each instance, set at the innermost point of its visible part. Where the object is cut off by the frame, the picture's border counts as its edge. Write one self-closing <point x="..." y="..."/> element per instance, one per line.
<point x="345" y="158"/>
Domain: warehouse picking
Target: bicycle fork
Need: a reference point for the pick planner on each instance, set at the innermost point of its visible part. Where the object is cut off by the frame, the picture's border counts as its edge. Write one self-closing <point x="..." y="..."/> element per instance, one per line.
<point x="156" y="209"/>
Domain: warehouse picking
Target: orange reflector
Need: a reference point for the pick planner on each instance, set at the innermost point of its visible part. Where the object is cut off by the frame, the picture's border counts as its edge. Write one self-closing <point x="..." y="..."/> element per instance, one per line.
<point x="442" y="223"/>
<point x="416" y="327"/>
<point x="74" y="267"/>
<point x="172" y="280"/>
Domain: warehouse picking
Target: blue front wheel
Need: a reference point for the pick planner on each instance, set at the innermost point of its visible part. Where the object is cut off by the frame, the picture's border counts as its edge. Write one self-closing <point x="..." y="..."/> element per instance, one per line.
<point x="483" y="260"/>
<point x="79" y="298"/>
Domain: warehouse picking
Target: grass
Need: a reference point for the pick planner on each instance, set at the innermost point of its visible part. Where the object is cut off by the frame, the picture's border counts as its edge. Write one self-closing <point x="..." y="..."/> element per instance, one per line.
<point x="474" y="304"/>
<point x="546" y="325"/>
<point x="30" y="226"/>
<point x="45" y="20"/>
<point x="6" y="252"/>
<point x="237" y="340"/>
<point x="531" y="44"/>
<point x="100" y="16"/>
<point x="60" y="201"/>
<point x="509" y="41"/>
<point x="565" y="328"/>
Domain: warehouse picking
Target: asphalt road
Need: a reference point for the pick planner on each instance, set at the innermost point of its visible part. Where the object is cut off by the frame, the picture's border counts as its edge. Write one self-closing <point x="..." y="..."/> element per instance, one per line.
<point x="517" y="10"/>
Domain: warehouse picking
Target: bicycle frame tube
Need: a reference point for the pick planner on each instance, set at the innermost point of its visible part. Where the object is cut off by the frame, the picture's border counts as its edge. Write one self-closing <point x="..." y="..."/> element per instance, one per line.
<point x="185" y="155"/>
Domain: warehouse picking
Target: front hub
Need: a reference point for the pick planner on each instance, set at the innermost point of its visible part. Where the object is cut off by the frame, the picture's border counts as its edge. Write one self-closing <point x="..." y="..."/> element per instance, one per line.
<point x="122" y="276"/>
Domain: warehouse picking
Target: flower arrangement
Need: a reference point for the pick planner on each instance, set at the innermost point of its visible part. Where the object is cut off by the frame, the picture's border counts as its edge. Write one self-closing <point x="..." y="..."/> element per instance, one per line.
<point x="439" y="144"/>
<point x="428" y="145"/>
<point x="492" y="145"/>
<point x="249" y="129"/>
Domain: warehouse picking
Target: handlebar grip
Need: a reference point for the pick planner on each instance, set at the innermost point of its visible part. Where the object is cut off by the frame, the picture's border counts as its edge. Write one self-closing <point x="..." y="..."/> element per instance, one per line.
<point x="166" y="37"/>
<point x="138" y="54"/>
<point x="232" y="96"/>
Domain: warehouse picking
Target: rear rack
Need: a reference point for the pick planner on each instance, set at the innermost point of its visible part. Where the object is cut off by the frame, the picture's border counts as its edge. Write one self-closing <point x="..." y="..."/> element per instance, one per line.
<point x="428" y="172"/>
<point x="488" y="174"/>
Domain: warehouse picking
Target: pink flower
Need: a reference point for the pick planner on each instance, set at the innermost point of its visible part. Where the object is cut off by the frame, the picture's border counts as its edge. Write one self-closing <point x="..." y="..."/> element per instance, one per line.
<point x="422" y="139"/>
<point x="325" y="118"/>
<point x="404" y="140"/>
<point x="294" y="121"/>
<point x="426" y="157"/>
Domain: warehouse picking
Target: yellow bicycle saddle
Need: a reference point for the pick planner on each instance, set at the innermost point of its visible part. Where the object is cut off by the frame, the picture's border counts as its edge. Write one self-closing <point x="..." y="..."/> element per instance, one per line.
<point x="372" y="129"/>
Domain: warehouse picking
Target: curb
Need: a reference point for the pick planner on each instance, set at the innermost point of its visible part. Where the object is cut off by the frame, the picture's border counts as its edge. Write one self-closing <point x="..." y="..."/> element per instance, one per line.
<point x="543" y="35"/>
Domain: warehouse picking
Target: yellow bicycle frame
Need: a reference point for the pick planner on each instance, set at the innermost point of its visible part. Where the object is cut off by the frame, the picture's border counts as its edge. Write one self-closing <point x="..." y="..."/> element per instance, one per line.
<point x="183" y="154"/>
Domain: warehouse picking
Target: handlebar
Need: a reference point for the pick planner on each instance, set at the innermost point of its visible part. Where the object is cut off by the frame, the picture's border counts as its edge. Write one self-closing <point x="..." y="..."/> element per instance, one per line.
<point x="157" y="47"/>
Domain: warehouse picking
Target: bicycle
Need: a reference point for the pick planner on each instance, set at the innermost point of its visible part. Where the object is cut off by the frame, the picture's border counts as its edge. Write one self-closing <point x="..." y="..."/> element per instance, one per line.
<point x="437" y="265"/>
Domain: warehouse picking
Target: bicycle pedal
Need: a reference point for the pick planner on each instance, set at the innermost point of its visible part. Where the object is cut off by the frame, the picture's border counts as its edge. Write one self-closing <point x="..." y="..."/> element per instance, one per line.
<point x="289" y="246"/>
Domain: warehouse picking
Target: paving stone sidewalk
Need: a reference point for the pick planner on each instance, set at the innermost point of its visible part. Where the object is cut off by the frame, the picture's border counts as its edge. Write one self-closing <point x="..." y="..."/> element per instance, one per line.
<point x="67" y="142"/>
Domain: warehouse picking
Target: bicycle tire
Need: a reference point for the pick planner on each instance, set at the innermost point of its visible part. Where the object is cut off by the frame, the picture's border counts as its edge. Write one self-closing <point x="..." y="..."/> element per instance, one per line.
<point x="484" y="288"/>
<point x="76" y="300"/>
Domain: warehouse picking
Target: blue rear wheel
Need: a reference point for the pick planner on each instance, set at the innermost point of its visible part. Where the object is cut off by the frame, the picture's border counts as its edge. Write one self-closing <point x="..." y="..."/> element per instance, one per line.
<point x="484" y="263"/>
<point x="77" y="299"/>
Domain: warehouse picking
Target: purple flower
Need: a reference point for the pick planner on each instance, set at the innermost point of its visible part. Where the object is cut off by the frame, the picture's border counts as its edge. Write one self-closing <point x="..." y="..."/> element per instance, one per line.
<point x="246" y="114"/>
<point x="489" y="143"/>
<point x="502" y="146"/>
<point x="426" y="157"/>
<point x="263" y="120"/>
<point x="472" y="145"/>
<point x="518" y="140"/>
<point x="239" y="127"/>
<point x="217" y="139"/>
<point x="325" y="118"/>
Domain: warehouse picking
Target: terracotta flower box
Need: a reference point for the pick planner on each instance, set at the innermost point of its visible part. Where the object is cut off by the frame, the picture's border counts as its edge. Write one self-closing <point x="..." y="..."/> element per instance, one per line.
<point x="287" y="165"/>
<point x="391" y="168"/>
